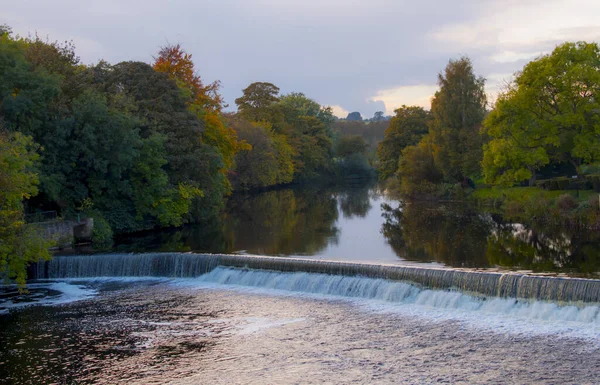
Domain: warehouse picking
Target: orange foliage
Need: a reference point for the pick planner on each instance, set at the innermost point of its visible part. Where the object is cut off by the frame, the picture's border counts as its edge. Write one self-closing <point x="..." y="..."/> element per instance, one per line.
<point x="205" y="101"/>
<point x="172" y="59"/>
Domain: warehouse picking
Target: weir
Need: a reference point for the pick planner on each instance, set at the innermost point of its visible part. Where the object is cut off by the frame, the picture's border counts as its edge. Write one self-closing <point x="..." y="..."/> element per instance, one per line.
<point x="188" y="265"/>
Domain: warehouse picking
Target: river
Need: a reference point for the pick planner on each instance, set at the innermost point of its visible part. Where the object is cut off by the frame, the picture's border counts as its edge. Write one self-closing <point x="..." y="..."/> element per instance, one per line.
<point x="363" y="224"/>
<point x="481" y="301"/>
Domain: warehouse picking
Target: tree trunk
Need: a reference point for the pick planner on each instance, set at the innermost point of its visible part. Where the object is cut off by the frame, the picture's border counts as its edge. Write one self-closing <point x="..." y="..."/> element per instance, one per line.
<point x="532" y="180"/>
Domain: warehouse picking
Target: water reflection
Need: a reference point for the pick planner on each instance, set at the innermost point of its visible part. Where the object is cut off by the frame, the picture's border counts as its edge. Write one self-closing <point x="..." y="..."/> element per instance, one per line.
<point x="433" y="233"/>
<point x="460" y="236"/>
<point x="358" y="223"/>
<point x="278" y="222"/>
<point x="282" y="222"/>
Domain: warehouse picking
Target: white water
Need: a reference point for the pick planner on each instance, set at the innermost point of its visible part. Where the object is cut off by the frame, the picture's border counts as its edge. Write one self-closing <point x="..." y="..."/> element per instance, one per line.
<point x="492" y="313"/>
<point x="67" y="292"/>
<point x="506" y="315"/>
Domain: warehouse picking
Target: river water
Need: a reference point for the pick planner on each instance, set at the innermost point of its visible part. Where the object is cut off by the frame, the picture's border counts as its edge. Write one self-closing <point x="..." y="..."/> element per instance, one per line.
<point x="244" y="326"/>
<point x="361" y="223"/>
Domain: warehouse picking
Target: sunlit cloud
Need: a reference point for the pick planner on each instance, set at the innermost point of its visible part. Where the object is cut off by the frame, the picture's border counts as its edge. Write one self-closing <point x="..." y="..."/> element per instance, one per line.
<point x="339" y="111"/>
<point x="518" y="25"/>
<point x="512" y="56"/>
<point x="417" y="95"/>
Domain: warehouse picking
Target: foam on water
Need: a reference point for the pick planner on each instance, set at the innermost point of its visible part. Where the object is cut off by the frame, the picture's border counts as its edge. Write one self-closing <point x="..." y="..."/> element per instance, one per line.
<point x="489" y="313"/>
<point x="48" y="294"/>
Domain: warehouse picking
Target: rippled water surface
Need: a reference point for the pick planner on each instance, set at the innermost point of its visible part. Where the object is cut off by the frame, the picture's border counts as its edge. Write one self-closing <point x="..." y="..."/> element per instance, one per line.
<point x="157" y="331"/>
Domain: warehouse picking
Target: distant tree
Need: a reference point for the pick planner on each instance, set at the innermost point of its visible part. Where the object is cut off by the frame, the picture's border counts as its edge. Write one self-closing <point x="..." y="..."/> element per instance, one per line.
<point x="354" y="116"/>
<point x="550" y="112"/>
<point x="296" y="105"/>
<point x="458" y="110"/>
<point x="348" y="145"/>
<point x="378" y="116"/>
<point x="405" y="129"/>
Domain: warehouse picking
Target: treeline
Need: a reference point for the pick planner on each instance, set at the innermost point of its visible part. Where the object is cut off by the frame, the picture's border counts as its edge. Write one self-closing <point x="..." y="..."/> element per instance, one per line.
<point x="139" y="146"/>
<point x="291" y="139"/>
<point x="548" y="116"/>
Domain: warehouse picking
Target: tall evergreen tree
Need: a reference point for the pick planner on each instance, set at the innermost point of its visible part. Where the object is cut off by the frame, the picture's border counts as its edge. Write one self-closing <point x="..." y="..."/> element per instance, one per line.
<point x="458" y="110"/>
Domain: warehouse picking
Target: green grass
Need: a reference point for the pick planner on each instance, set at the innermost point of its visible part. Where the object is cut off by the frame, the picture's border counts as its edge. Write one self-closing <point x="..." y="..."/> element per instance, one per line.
<point x="525" y="194"/>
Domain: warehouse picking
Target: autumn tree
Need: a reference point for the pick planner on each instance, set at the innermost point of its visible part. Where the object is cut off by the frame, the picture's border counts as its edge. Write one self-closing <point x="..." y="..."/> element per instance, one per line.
<point x="458" y="109"/>
<point x="405" y="129"/>
<point x="551" y="112"/>
<point x="267" y="162"/>
<point x="204" y="100"/>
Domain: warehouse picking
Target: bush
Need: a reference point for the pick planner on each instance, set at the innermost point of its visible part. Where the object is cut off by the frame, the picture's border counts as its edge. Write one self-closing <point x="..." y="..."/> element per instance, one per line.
<point x="102" y="233"/>
<point x="566" y="202"/>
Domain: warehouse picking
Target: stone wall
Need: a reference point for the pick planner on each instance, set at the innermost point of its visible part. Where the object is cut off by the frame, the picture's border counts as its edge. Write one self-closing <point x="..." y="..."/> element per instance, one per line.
<point x="64" y="233"/>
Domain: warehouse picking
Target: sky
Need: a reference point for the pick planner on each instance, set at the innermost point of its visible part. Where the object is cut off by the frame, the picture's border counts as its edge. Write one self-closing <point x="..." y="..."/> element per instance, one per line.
<point x="352" y="55"/>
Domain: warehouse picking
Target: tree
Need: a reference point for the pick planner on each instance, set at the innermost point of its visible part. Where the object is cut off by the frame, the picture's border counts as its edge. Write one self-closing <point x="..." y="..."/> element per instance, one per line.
<point x="417" y="170"/>
<point x="378" y="116"/>
<point x="267" y="162"/>
<point x="204" y="101"/>
<point x="160" y="108"/>
<point x="25" y="93"/>
<point x="550" y="112"/>
<point x="311" y="141"/>
<point x="355" y="116"/>
<point x="406" y="128"/>
<point x="349" y="145"/>
<point x="296" y="105"/>
<point x="257" y="103"/>
<point x="19" y="244"/>
<point x="458" y="110"/>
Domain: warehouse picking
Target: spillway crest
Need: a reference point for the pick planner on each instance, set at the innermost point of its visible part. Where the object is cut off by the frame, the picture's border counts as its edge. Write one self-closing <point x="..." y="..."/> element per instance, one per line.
<point x="187" y="265"/>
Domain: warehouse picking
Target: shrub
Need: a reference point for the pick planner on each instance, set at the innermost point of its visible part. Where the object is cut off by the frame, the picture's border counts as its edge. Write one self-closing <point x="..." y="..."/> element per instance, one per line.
<point x="566" y="202"/>
<point x="102" y="233"/>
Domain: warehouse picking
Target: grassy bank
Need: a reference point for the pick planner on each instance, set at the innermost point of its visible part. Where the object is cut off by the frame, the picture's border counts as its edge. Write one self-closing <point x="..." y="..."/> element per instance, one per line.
<point x="572" y="208"/>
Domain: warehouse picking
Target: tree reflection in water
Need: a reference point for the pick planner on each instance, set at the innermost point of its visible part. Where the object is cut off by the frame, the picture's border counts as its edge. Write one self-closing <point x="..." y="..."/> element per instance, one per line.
<point x="460" y="236"/>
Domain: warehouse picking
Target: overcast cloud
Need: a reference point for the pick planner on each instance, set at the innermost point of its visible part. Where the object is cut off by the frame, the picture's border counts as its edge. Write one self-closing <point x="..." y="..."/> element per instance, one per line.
<point x="362" y="55"/>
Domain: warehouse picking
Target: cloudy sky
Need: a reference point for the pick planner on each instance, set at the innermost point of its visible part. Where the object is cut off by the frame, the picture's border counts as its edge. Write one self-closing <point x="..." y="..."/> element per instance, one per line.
<point x="354" y="55"/>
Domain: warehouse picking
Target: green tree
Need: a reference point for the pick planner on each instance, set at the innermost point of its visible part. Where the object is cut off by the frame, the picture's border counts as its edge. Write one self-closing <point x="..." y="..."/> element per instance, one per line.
<point x="258" y="103"/>
<point x="349" y="145"/>
<point x="312" y="143"/>
<point x="158" y="104"/>
<point x="25" y="93"/>
<point x="458" y="110"/>
<point x="269" y="160"/>
<point x="20" y="244"/>
<point x="406" y="128"/>
<point x="417" y="170"/>
<point x="296" y="105"/>
<point x="550" y="112"/>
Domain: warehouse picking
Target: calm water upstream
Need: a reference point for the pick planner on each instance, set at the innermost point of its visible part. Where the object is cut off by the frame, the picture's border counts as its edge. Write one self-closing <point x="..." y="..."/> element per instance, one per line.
<point x="363" y="224"/>
<point x="143" y="319"/>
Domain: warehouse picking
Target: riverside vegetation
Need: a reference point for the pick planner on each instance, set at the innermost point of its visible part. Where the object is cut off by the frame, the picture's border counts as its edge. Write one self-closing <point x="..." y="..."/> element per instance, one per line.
<point x="139" y="146"/>
<point x="533" y="158"/>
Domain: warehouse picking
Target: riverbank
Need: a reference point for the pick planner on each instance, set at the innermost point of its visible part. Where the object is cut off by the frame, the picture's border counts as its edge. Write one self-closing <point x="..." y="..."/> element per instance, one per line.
<point x="576" y="209"/>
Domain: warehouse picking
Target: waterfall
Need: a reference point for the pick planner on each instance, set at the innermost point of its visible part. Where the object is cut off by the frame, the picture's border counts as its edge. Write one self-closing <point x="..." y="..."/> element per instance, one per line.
<point x="489" y="284"/>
